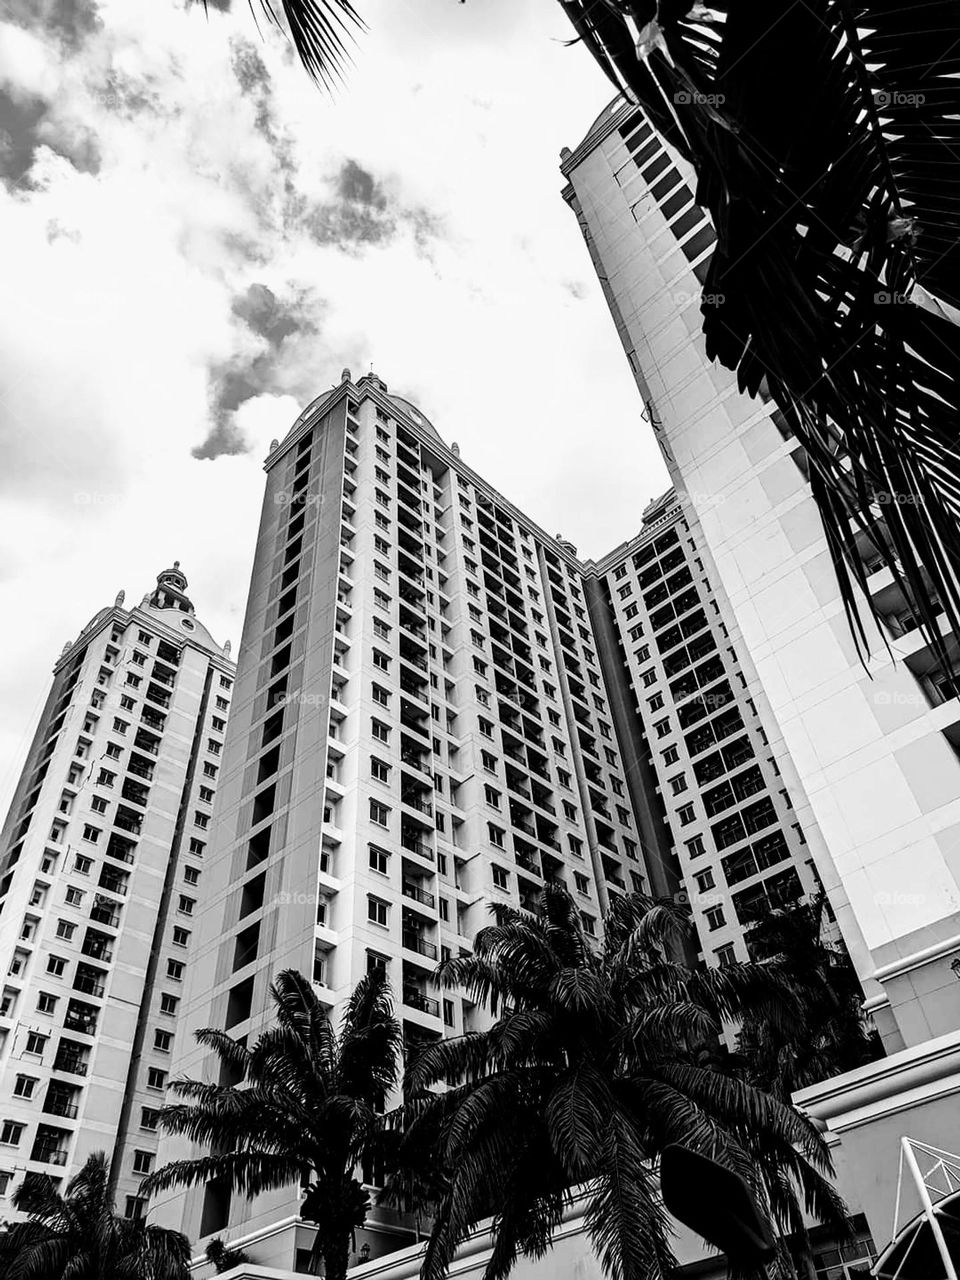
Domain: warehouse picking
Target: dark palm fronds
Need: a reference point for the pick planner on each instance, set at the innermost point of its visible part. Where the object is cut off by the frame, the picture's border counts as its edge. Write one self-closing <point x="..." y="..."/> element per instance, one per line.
<point x="593" y="1064"/>
<point x="74" y="1234"/>
<point x="321" y="31"/>
<point x="307" y="1110"/>
<point x="831" y="1034"/>
<point x="826" y="140"/>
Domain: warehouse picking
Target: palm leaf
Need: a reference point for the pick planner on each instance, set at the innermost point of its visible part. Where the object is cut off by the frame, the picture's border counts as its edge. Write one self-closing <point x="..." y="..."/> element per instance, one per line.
<point x="321" y="31"/>
<point x="824" y="138"/>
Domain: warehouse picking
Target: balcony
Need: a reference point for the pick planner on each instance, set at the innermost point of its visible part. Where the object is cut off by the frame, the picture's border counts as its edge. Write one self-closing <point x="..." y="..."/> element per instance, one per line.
<point x="89" y="982"/>
<point x="103" y="913"/>
<point x="415" y="942"/>
<point x="58" y="1105"/>
<point x="72" y="1064"/>
<point x="152" y="718"/>
<point x="45" y="1153"/>
<point x="141" y="771"/>
<point x="419" y="847"/>
<point x="415" y="999"/>
<point x="410" y="890"/>
<point x="415" y="802"/>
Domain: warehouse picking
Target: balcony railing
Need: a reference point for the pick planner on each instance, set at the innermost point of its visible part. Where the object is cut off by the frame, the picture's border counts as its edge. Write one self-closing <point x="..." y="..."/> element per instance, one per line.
<point x="417" y="1000"/>
<point x="140" y="771"/>
<point x="410" y="890"/>
<point x="48" y="1155"/>
<point x="424" y="806"/>
<point x="418" y="847"/>
<point x="61" y="1107"/>
<point x="75" y="1066"/>
<point x="414" y="942"/>
<point x="87" y="1026"/>
<point x="89" y="986"/>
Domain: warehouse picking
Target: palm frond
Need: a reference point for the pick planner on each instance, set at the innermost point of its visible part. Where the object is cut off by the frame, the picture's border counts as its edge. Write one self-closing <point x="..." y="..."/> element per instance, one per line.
<point x="321" y="31"/>
<point x="824" y="139"/>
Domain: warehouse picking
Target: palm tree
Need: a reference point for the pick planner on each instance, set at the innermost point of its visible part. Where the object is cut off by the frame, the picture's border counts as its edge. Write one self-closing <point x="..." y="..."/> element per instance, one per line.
<point x="76" y="1235"/>
<point x="593" y="1065"/>
<point x="307" y="1110"/>
<point x="831" y="1033"/>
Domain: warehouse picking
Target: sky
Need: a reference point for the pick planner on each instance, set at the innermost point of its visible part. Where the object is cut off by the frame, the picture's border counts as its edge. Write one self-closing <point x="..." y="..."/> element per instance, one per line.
<point x="197" y="239"/>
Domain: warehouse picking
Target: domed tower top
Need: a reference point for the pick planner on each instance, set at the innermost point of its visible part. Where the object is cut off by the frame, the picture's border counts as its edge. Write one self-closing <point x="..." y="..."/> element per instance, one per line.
<point x="170" y="591"/>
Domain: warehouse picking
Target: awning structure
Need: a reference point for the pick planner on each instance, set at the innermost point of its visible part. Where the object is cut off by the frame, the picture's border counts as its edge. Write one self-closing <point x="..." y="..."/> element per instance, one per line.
<point x="928" y="1246"/>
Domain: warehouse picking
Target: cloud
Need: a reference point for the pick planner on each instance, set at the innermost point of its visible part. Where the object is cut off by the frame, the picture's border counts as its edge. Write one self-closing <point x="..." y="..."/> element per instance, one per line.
<point x="273" y="335"/>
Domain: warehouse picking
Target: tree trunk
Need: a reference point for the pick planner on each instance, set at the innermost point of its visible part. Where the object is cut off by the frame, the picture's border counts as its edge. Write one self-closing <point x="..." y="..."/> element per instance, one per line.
<point x="336" y="1256"/>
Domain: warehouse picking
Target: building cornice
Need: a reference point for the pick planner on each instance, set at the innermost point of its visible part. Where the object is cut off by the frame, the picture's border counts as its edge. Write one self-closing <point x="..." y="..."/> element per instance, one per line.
<point x="891" y="1085"/>
<point x="601" y="128"/>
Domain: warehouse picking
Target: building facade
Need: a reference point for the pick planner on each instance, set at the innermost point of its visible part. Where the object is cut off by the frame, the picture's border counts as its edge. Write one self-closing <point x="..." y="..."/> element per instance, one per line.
<point x="101" y="863"/>
<point x="736" y="819"/>
<point x="440" y="707"/>
<point x="875" y="750"/>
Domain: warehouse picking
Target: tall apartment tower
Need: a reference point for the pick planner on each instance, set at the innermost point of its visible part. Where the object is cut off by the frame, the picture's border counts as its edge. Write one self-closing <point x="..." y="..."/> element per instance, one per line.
<point x="733" y="810"/>
<point x="875" y="753"/>
<point x="101" y="859"/>
<point x="439" y="707"/>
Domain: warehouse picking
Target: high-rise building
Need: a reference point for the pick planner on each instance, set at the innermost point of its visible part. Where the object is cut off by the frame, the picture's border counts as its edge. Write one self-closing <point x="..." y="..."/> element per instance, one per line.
<point x="736" y="820"/>
<point x="439" y="707"/>
<point x="101" y="861"/>
<point x="876" y="751"/>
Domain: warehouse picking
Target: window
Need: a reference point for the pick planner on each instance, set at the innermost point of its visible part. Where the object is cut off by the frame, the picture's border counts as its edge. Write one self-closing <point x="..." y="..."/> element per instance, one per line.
<point x="142" y="1161"/>
<point x="181" y="936"/>
<point x="704" y="881"/>
<point x="631" y="610"/>
<point x="497" y="835"/>
<point x="501" y="878"/>
<point x="36" y="1043"/>
<point x="217" y="724"/>
<point x="662" y="728"/>
<point x="671" y="755"/>
<point x="381" y="731"/>
<point x="11" y="1132"/>
<point x="99" y="804"/>
<point x="381" y="695"/>
<point x="201" y="820"/>
<point x="148" y="1118"/>
<point x="106" y="778"/>
<point x="686" y="814"/>
<point x="581" y="882"/>
<point x="156" y="1078"/>
<point x="175" y="970"/>
<point x="197" y="846"/>
<point x="725" y="955"/>
<point x="222" y="704"/>
<point x="695" y="847"/>
<point x="162" y="1041"/>
<point x="589" y="924"/>
<point x="91" y="833"/>
<point x="379" y="813"/>
<point x="381" y="660"/>
<point x="144" y="637"/>
<point x="206" y="795"/>
<point x="379" y="770"/>
<point x="113" y="750"/>
<point x="213" y="746"/>
<point x="185" y="905"/>
<point x="56" y="966"/>
<point x="378" y="911"/>
<point x="191" y="875"/>
<point x="66" y="929"/>
<point x="24" y="1086"/>
<point x="209" y="770"/>
<point x="74" y="896"/>
<point x="381" y="628"/>
<point x="46" y="1003"/>
<point x="492" y="796"/>
<point x="714" y="918"/>
<point x="168" y="1003"/>
<point x="379" y="859"/>
<point x="678" y="784"/>
<point x="448" y="1013"/>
